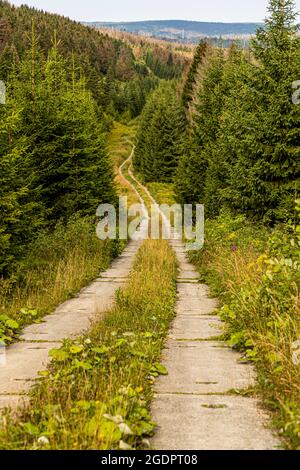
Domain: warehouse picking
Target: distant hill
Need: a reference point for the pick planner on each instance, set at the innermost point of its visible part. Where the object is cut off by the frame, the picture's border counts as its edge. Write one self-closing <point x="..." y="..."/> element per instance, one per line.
<point x="179" y="30"/>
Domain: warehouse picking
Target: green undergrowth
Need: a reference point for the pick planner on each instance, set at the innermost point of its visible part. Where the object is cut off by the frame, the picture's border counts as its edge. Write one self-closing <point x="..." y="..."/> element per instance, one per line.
<point x="255" y="273"/>
<point x="163" y="193"/>
<point x="97" y="392"/>
<point x="120" y="141"/>
<point x="120" y="145"/>
<point x="58" y="265"/>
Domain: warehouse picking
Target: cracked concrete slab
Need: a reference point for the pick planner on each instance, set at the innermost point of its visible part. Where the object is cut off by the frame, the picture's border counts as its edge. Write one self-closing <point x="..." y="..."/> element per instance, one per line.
<point x="195" y="327"/>
<point x="211" y="423"/>
<point x="23" y="362"/>
<point x="192" y="407"/>
<point x="71" y="319"/>
<point x="192" y="363"/>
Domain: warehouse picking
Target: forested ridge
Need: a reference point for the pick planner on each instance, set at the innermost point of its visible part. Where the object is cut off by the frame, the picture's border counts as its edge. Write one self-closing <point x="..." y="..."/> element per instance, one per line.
<point x="118" y="79"/>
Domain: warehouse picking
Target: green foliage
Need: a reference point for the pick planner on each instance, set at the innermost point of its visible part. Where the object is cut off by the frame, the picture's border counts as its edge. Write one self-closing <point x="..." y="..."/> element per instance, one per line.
<point x="244" y="149"/>
<point x="97" y="392"/>
<point x="131" y="97"/>
<point x="161" y="137"/>
<point x="256" y="274"/>
<point x="8" y="329"/>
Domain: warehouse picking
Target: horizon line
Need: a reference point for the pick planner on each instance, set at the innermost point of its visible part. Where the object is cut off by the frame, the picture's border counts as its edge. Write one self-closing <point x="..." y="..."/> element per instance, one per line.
<point x="162" y="20"/>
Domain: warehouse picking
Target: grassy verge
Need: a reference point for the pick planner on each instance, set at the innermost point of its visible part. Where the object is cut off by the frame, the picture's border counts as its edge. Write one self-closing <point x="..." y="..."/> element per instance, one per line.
<point x="97" y="392"/>
<point x="120" y="142"/>
<point x="57" y="266"/>
<point x="256" y="275"/>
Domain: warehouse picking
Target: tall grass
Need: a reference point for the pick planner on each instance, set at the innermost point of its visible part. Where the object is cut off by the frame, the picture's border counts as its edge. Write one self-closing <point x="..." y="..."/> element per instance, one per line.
<point x="255" y="272"/>
<point x="97" y="392"/>
<point x="163" y="193"/>
<point x="120" y="141"/>
<point x="58" y="265"/>
<point x="120" y="145"/>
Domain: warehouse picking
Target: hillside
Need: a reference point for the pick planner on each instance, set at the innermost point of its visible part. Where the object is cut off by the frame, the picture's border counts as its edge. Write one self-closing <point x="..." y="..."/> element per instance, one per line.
<point x="66" y="84"/>
<point x="179" y="30"/>
<point x="117" y="75"/>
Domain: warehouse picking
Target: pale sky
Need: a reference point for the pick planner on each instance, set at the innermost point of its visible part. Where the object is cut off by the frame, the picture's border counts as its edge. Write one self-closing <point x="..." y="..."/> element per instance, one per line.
<point x="134" y="10"/>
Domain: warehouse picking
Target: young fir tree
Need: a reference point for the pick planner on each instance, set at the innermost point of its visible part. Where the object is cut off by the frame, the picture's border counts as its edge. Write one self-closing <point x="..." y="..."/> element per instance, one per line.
<point x="265" y="178"/>
<point x="162" y="136"/>
<point x="192" y="168"/>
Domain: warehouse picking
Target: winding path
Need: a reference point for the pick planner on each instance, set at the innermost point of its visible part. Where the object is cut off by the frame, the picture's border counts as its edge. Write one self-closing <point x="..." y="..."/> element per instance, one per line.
<point x="195" y="407"/>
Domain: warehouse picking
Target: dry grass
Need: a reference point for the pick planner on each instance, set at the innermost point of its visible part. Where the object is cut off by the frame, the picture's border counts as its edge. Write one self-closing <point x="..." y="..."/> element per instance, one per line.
<point x="256" y="274"/>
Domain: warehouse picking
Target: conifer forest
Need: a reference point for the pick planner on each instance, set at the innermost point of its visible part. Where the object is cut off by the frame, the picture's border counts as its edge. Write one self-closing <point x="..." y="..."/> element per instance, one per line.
<point x="122" y="344"/>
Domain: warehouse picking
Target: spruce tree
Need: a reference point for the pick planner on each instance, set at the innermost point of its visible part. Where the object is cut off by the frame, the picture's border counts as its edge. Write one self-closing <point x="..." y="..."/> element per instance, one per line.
<point x="188" y="89"/>
<point x="208" y="103"/>
<point x="218" y="152"/>
<point x="265" y="178"/>
<point x="161" y="139"/>
<point x="19" y="213"/>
